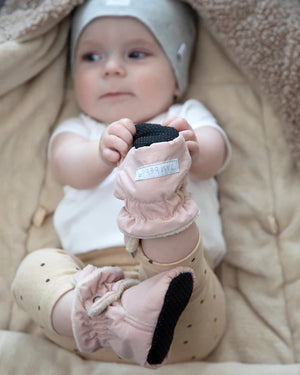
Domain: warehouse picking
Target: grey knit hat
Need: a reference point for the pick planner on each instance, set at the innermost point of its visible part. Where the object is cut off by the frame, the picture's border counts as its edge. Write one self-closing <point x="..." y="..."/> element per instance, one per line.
<point x="172" y="22"/>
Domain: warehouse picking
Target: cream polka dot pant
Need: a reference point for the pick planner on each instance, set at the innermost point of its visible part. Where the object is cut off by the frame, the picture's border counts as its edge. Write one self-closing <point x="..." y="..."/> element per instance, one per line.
<point x="45" y="275"/>
<point x="202" y="324"/>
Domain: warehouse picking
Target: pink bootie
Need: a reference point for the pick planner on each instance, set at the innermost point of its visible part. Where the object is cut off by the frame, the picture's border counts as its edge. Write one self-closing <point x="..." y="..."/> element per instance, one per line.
<point x="152" y="182"/>
<point x="136" y="320"/>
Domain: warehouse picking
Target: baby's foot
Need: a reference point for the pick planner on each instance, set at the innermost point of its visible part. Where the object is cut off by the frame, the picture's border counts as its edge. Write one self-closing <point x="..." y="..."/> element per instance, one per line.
<point x="136" y="321"/>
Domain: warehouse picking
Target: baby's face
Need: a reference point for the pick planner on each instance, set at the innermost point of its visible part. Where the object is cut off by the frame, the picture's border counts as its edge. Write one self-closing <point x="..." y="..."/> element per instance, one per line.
<point x="121" y="71"/>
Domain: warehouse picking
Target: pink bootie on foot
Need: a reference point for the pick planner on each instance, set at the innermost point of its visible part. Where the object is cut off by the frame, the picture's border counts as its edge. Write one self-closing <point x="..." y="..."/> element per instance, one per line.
<point x="136" y="320"/>
<point x="152" y="182"/>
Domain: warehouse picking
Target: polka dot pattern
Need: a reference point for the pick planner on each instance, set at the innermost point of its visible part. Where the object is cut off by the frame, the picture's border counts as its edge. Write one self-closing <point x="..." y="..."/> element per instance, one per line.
<point x="199" y="329"/>
<point x="201" y="325"/>
<point x="45" y="268"/>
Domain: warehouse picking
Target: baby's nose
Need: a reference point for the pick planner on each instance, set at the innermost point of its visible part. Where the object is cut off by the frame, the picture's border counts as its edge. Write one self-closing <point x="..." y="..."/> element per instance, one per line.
<point x="114" y="66"/>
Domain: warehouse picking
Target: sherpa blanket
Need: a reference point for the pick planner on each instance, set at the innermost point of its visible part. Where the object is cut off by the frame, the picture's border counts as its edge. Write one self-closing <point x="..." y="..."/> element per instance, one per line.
<point x="246" y="71"/>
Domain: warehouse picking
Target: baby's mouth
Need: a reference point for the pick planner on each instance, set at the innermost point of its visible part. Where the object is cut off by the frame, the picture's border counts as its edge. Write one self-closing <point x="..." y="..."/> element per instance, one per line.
<point x="117" y="94"/>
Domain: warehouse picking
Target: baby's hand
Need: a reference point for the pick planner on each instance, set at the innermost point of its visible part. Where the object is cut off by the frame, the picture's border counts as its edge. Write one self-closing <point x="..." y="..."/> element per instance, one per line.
<point x="116" y="141"/>
<point x="188" y="133"/>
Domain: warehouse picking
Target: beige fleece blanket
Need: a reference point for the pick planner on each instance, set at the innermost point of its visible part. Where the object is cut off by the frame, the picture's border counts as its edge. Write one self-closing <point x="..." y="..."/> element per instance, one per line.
<point x="258" y="192"/>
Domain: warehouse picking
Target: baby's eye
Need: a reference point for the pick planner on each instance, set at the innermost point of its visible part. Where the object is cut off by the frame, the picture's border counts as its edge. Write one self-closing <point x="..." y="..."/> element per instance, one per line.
<point x="137" y="55"/>
<point x="91" y="57"/>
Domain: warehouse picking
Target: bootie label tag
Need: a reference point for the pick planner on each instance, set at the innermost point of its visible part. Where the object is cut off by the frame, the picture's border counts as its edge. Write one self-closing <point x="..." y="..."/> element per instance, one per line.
<point x="155" y="170"/>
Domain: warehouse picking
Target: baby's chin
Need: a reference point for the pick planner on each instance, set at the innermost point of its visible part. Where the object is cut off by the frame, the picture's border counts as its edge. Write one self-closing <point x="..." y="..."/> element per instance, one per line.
<point x="110" y="119"/>
<point x="112" y="108"/>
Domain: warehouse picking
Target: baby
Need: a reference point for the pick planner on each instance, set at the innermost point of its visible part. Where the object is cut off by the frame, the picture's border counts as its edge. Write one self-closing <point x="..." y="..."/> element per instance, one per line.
<point x="130" y="61"/>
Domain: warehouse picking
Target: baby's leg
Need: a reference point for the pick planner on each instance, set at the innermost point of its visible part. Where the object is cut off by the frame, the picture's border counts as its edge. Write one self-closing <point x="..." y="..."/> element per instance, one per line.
<point x="99" y="308"/>
<point x="158" y="211"/>
<point x="202" y="323"/>
<point x="42" y="279"/>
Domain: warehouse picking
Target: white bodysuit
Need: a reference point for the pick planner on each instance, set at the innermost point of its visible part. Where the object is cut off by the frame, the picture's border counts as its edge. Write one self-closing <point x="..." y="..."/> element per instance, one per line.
<point x="86" y="220"/>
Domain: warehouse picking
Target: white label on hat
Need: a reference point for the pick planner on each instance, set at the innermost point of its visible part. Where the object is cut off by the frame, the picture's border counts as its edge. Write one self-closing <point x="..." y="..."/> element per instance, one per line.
<point x="181" y="51"/>
<point x="117" y="3"/>
<point x="155" y="170"/>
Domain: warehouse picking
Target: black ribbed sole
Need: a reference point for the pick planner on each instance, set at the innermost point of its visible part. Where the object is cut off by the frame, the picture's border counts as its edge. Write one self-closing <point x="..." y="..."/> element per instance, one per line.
<point x="147" y="133"/>
<point x="176" y="299"/>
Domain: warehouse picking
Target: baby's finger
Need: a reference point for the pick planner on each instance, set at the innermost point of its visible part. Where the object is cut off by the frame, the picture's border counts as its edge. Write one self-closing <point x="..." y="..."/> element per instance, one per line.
<point x="123" y="129"/>
<point x="111" y="156"/>
<point x="180" y="124"/>
<point x="129" y="125"/>
<point x="124" y="134"/>
<point x="192" y="147"/>
<point x="169" y="120"/>
<point x="118" y="144"/>
<point x="188" y="135"/>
